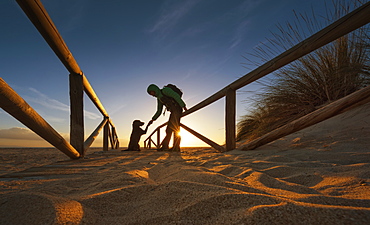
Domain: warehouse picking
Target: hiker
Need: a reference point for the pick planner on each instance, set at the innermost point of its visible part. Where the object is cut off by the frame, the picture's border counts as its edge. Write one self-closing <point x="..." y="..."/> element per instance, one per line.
<point x="170" y="96"/>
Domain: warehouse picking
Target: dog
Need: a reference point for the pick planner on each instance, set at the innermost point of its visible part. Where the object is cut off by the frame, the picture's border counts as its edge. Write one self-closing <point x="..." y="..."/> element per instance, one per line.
<point x="135" y="136"/>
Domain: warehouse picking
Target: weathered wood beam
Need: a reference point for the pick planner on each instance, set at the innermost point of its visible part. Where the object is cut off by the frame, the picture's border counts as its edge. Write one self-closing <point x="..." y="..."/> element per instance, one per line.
<point x="94" y="98"/>
<point x="114" y="134"/>
<point x="158" y="128"/>
<point x="156" y="145"/>
<point x="105" y="137"/>
<point x="115" y="138"/>
<point x="90" y="140"/>
<point x="112" y="125"/>
<point x="110" y="138"/>
<point x="230" y="123"/>
<point x="16" y="106"/>
<point x="357" y="98"/>
<point x="203" y="138"/>
<point x="158" y="139"/>
<point x="76" y="94"/>
<point x="42" y="21"/>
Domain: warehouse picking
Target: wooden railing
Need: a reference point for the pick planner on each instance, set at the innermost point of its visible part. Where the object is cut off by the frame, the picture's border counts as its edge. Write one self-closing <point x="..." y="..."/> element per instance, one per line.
<point x="148" y="142"/>
<point x="18" y="108"/>
<point x="341" y="27"/>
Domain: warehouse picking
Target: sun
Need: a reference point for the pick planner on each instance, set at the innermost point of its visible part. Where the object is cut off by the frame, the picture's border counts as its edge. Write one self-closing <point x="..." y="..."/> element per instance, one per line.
<point x="189" y="140"/>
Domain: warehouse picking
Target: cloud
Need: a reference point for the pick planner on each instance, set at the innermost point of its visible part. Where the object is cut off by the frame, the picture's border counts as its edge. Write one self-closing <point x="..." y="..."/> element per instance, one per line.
<point x="18" y="133"/>
<point x="76" y="11"/>
<point x="117" y="109"/>
<point x="50" y="103"/>
<point x="23" y="137"/>
<point x="243" y="11"/>
<point x="170" y="16"/>
<point x="47" y="102"/>
<point x="239" y="34"/>
<point x="91" y="115"/>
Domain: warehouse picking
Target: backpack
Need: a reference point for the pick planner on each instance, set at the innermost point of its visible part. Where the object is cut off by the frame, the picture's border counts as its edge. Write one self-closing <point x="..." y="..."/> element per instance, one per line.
<point x="175" y="89"/>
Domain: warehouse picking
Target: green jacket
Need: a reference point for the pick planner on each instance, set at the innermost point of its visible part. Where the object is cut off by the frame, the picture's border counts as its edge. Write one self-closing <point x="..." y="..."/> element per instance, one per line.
<point x="160" y="93"/>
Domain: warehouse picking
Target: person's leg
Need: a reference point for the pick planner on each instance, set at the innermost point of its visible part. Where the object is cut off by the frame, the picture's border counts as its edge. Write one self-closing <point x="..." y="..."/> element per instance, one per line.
<point x="176" y="129"/>
<point x="173" y="126"/>
<point x="176" y="143"/>
<point x="137" y="147"/>
<point x="166" y="140"/>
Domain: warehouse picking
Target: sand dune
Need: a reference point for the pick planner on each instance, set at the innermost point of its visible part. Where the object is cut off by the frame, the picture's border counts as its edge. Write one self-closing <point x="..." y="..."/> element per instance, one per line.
<point x="320" y="175"/>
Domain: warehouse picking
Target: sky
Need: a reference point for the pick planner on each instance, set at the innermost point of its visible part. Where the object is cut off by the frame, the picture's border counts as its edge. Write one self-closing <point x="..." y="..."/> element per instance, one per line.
<point x="123" y="46"/>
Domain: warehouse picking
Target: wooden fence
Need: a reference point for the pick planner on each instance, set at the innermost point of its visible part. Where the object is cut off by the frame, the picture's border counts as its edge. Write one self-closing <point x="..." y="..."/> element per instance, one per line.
<point x="341" y="27"/>
<point x="18" y="108"/>
<point x="149" y="141"/>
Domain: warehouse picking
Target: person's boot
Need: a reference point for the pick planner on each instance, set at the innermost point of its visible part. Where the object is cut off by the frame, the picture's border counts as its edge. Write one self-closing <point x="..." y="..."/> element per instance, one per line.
<point x="165" y="143"/>
<point x="176" y="144"/>
<point x="163" y="148"/>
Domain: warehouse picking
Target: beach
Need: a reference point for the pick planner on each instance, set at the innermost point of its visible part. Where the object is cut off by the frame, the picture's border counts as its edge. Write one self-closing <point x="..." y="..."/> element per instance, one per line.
<point x="319" y="175"/>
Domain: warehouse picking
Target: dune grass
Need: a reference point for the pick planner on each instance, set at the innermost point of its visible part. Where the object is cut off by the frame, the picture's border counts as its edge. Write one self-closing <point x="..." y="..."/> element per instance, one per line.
<point x="312" y="81"/>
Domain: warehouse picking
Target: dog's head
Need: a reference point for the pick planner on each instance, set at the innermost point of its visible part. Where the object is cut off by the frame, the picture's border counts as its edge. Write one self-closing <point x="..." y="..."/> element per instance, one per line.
<point x="137" y="123"/>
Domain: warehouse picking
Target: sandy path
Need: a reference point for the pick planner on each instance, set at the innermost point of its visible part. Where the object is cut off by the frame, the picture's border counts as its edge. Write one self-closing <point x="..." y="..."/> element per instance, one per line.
<point x="316" y="176"/>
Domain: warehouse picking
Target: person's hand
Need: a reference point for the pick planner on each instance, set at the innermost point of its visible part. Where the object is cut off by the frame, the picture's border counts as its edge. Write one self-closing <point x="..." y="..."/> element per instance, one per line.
<point x="150" y="122"/>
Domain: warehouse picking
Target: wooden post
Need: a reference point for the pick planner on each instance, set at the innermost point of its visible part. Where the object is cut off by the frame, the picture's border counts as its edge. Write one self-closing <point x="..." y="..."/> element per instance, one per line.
<point x="154" y="143"/>
<point x="230" y="115"/>
<point x="158" y="136"/>
<point x="105" y="137"/>
<point x="357" y="98"/>
<point x="114" y="134"/>
<point x="117" y="141"/>
<point x="201" y="137"/>
<point x="111" y="138"/>
<point x="158" y="145"/>
<point x="114" y="138"/>
<point x="16" y="106"/>
<point x="77" y="114"/>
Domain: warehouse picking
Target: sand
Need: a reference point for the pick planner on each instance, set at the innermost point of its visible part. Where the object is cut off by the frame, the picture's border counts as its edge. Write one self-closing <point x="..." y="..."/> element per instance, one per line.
<point x="320" y="175"/>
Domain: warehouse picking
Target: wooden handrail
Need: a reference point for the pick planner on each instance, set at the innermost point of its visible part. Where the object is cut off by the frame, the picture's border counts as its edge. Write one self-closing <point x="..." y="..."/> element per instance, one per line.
<point x="38" y="15"/>
<point x="42" y="21"/>
<point x="156" y="129"/>
<point x="339" y="28"/>
<point x="203" y="138"/>
<point x="346" y="24"/>
<point x="354" y="20"/>
<point x="149" y="138"/>
<point x="111" y="123"/>
<point x="350" y="101"/>
<point x="196" y="134"/>
<point x="94" y="98"/>
<point x="16" y="106"/>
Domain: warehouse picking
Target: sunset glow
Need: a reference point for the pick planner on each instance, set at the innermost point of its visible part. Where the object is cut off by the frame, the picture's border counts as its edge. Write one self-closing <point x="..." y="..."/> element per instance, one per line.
<point x="189" y="140"/>
<point x="197" y="45"/>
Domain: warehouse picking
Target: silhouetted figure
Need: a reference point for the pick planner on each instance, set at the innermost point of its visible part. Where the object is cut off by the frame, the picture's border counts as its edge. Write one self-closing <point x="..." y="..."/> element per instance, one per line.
<point x="136" y="134"/>
<point x="170" y="96"/>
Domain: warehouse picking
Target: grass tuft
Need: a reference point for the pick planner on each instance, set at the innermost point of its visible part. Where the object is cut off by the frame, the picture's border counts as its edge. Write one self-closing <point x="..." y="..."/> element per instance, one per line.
<point x="319" y="78"/>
